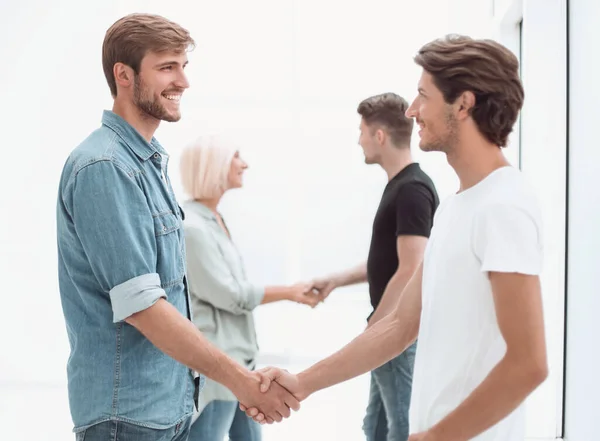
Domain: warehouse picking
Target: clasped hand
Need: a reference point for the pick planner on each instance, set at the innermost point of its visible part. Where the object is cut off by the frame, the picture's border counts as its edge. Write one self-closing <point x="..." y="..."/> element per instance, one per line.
<point x="277" y="381"/>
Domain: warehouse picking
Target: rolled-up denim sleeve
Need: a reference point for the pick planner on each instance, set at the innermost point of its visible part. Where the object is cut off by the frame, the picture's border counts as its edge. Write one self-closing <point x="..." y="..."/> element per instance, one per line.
<point x="135" y="295"/>
<point x="114" y="223"/>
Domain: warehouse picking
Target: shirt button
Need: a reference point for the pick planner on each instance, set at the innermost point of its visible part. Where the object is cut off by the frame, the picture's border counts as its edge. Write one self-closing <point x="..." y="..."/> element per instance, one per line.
<point x="164" y="228"/>
<point x="156" y="156"/>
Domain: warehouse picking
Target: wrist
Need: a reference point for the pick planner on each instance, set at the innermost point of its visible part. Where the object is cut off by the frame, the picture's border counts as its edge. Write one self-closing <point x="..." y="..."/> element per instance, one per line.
<point x="277" y="293"/>
<point x="288" y="292"/>
<point x="435" y="434"/>
<point x="306" y="385"/>
<point x="337" y="281"/>
<point x="238" y="379"/>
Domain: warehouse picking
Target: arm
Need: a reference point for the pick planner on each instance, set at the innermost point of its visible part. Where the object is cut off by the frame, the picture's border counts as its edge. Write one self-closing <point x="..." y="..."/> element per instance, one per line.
<point x="324" y="285"/>
<point x="299" y="293"/>
<point x="410" y="255"/>
<point x="177" y="337"/>
<point x="385" y="340"/>
<point x="167" y="329"/>
<point x="352" y="276"/>
<point x="210" y="276"/>
<point x="116" y="228"/>
<point x="415" y="207"/>
<point x="212" y="281"/>
<point x="518" y="303"/>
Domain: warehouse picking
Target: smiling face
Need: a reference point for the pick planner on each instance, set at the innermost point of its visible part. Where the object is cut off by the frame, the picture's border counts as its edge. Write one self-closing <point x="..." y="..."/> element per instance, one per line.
<point x="159" y="85"/>
<point x="438" y="126"/>
<point x="236" y="171"/>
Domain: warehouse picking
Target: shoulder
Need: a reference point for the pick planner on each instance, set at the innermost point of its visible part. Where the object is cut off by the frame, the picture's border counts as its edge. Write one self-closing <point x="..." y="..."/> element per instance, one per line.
<point x="415" y="191"/>
<point x="512" y="192"/>
<point x="102" y="151"/>
<point x="194" y="222"/>
<point x="415" y="181"/>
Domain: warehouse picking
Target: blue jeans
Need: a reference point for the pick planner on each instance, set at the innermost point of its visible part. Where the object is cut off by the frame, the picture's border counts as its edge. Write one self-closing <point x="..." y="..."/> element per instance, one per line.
<point x="220" y="418"/>
<point x="389" y="399"/>
<point x="120" y="431"/>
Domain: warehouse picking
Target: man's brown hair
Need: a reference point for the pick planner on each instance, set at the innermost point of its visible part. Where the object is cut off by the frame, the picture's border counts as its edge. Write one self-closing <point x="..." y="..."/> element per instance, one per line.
<point x="388" y="110"/>
<point x="484" y="67"/>
<point x="130" y="38"/>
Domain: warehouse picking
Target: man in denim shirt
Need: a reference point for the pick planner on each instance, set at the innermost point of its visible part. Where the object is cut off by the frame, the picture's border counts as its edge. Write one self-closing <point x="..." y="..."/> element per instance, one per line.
<point x="134" y="350"/>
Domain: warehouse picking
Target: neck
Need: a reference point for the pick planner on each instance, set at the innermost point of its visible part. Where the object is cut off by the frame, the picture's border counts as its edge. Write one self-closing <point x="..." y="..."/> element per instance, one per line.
<point x="143" y="123"/>
<point x="473" y="161"/>
<point x="211" y="203"/>
<point x="396" y="161"/>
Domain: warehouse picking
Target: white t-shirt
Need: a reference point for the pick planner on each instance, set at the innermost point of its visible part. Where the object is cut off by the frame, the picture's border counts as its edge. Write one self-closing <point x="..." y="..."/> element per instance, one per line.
<point x="492" y="226"/>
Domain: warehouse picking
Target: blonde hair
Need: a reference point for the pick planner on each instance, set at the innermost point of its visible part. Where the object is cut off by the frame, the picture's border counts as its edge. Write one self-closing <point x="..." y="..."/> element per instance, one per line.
<point x="205" y="165"/>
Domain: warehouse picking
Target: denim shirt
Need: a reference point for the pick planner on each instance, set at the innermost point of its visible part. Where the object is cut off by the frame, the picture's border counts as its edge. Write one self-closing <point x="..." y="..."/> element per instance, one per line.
<point x="120" y="249"/>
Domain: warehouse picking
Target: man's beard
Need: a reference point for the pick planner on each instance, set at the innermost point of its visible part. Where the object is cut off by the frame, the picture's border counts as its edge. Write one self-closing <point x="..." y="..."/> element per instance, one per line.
<point x="148" y="104"/>
<point x="447" y="143"/>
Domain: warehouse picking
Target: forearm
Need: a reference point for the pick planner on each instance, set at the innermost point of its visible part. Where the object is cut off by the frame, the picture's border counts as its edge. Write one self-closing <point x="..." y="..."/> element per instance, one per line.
<point x="392" y="293"/>
<point x="352" y="276"/>
<point x="276" y="293"/>
<point x="378" y="344"/>
<point x="177" y="337"/>
<point x="383" y="341"/>
<point x="502" y="391"/>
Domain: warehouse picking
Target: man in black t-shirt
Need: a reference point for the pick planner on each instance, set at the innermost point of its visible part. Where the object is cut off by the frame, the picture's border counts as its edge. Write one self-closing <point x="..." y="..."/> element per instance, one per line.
<point x="400" y="231"/>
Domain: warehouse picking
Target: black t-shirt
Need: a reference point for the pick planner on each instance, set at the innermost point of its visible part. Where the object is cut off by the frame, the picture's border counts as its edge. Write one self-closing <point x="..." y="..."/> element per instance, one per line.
<point x="407" y="207"/>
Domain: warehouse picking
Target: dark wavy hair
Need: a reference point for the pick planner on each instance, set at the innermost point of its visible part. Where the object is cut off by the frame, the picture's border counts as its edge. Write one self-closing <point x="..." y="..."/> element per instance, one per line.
<point x="484" y="67"/>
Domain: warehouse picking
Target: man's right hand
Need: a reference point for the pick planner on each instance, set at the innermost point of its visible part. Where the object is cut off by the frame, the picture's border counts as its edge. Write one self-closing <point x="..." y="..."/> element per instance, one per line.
<point x="324" y="286"/>
<point x="272" y="377"/>
<point x="271" y="401"/>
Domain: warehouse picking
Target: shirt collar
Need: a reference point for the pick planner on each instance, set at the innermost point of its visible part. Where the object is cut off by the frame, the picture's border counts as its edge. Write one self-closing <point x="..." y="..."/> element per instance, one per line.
<point x="132" y="138"/>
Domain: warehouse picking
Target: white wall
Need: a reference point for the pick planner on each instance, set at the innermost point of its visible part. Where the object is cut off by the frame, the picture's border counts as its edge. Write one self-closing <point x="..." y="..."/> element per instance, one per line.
<point x="543" y="156"/>
<point x="52" y="100"/>
<point x="543" y="161"/>
<point x="52" y="78"/>
<point x="583" y="305"/>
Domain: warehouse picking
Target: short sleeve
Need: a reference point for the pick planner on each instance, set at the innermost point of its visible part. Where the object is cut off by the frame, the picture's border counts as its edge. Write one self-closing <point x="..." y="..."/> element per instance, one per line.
<point x="508" y="239"/>
<point x="415" y="208"/>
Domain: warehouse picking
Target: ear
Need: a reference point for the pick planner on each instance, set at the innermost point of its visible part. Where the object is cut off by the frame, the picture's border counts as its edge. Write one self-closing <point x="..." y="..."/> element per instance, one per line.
<point x="124" y="75"/>
<point x="380" y="136"/>
<point x="465" y="102"/>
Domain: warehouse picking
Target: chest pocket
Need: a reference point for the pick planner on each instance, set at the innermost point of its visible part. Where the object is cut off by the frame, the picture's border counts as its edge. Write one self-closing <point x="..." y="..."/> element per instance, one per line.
<point x="169" y="248"/>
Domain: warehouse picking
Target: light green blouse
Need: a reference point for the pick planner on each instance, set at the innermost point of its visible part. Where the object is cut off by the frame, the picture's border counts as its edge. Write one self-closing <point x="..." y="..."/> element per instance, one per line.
<point x="222" y="298"/>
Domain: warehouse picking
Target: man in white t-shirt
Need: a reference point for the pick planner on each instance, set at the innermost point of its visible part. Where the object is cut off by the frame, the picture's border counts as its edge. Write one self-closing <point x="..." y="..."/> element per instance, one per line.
<point x="475" y="303"/>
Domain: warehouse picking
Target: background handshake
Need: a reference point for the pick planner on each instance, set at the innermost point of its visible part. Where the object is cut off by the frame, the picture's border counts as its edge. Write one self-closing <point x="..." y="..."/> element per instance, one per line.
<point x="313" y="292"/>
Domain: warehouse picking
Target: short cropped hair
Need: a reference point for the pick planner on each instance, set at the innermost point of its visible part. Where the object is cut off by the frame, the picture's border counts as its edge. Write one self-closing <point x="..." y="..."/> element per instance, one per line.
<point x="130" y="38"/>
<point x="388" y="110"/>
<point x="486" y="68"/>
<point x="204" y="166"/>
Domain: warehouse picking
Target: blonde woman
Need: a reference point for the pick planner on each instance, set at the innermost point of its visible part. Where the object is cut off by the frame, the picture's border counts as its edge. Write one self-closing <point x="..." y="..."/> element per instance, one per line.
<point x="222" y="297"/>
